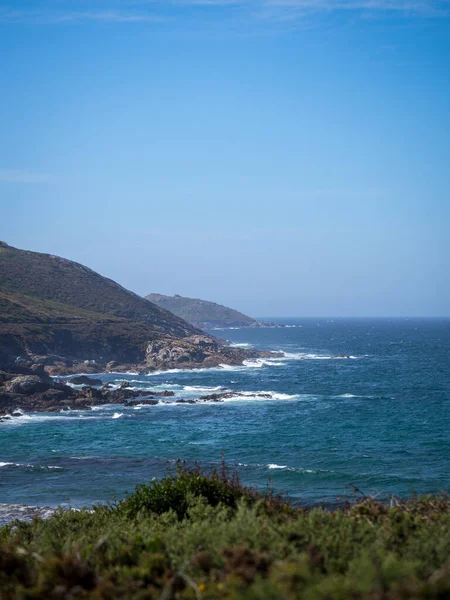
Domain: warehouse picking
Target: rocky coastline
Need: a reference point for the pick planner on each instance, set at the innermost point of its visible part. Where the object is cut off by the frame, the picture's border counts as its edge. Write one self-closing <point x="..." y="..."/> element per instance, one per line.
<point x="30" y="383"/>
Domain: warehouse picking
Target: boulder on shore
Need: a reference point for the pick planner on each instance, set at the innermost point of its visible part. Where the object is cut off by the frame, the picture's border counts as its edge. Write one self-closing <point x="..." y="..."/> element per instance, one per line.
<point x="27" y="384"/>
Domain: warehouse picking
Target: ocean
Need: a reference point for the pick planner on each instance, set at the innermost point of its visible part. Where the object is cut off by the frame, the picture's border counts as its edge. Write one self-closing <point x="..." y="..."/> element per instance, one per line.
<point x="325" y="428"/>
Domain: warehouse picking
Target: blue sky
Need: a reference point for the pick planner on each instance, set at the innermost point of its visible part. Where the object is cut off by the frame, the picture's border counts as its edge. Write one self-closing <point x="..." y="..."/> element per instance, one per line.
<point x="284" y="157"/>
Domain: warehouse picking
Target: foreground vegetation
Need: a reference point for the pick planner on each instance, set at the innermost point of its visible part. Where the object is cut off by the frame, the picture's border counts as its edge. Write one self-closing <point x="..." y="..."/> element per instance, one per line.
<point x="192" y="536"/>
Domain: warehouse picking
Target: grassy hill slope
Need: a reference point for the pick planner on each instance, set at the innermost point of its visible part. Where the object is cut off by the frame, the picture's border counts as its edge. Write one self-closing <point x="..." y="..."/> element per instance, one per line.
<point x="56" y="279"/>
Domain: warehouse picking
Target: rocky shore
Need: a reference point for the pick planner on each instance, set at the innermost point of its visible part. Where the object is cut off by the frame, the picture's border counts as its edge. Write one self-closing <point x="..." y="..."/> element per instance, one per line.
<point x="30" y="383"/>
<point x="41" y="393"/>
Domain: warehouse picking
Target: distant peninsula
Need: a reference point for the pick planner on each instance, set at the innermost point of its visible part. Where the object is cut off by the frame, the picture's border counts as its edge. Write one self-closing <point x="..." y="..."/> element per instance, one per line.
<point x="204" y="314"/>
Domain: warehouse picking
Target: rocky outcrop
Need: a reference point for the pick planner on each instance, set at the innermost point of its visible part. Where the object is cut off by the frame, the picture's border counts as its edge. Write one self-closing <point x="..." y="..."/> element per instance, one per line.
<point x="42" y="394"/>
<point x="197" y="351"/>
<point x="170" y="353"/>
<point x="26" y="384"/>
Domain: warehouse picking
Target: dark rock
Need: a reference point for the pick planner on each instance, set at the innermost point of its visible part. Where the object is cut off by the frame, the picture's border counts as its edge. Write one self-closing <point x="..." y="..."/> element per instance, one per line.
<point x="92" y="393"/>
<point x="84" y="380"/>
<point x="112" y="365"/>
<point x="38" y="369"/>
<point x="57" y="395"/>
<point x="219" y="397"/>
<point x="22" y="363"/>
<point x="5" y="377"/>
<point x="120" y="396"/>
<point x="26" y="384"/>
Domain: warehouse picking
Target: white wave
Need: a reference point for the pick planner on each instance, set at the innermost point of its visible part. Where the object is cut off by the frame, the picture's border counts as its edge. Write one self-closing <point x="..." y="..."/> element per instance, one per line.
<point x="246" y="364"/>
<point x="241" y="345"/>
<point x="10" y="512"/>
<point x="259" y="396"/>
<point x="305" y="356"/>
<point x="312" y="356"/>
<point x="286" y="468"/>
<point x="273" y="395"/>
<point x="257" y="363"/>
<point x="172" y="371"/>
<point x="39" y="418"/>
<point x="117" y="415"/>
<point x="116" y="373"/>
<point x="225" y="367"/>
<point x="28" y="465"/>
<point x="199" y="388"/>
<point x="83" y="457"/>
<point x="274" y="466"/>
<point x="237" y="396"/>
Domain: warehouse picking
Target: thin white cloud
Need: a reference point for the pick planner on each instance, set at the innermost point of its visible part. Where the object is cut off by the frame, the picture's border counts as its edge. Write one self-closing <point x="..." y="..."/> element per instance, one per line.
<point x="371" y="5"/>
<point x="151" y="11"/>
<point x="25" y="176"/>
<point x="106" y="16"/>
<point x="47" y="16"/>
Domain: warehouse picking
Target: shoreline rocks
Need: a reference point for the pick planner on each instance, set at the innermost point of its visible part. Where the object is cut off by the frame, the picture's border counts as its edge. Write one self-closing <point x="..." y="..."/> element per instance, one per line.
<point x="42" y="394"/>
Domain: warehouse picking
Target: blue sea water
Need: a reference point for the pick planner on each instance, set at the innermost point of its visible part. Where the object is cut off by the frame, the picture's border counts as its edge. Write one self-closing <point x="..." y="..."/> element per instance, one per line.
<point x="379" y="421"/>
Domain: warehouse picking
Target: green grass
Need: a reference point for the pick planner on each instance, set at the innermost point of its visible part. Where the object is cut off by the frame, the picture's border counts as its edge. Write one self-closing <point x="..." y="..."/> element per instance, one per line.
<point x="65" y="287"/>
<point x="193" y="535"/>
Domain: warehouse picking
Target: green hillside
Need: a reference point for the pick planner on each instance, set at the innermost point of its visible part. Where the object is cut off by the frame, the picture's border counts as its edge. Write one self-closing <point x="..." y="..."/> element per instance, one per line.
<point x="49" y="277"/>
<point x="50" y="305"/>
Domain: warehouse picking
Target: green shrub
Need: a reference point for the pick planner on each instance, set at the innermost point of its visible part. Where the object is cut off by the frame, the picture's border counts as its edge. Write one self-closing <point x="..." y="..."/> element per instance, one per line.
<point x="192" y="536"/>
<point x="173" y="493"/>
